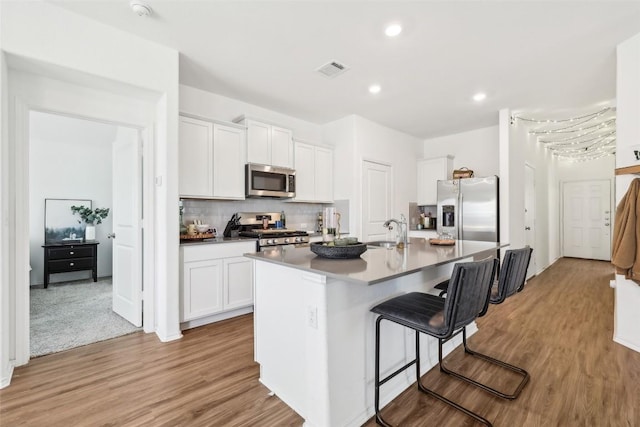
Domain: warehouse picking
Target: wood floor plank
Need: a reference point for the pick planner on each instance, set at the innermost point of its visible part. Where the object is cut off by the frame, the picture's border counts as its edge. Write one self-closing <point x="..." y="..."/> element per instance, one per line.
<point x="559" y="328"/>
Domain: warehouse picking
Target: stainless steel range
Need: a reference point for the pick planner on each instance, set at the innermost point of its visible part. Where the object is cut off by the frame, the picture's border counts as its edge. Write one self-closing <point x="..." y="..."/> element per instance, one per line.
<point x="252" y="224"/>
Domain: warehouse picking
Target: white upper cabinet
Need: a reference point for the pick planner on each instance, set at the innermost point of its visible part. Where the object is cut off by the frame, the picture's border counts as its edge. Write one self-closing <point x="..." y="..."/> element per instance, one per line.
<point x="430" y="171"/>
<point x="212" y="158"/>
<point x="314" y="173"/>
<point x="196" y="154"/>
<point x="268" y="144"/>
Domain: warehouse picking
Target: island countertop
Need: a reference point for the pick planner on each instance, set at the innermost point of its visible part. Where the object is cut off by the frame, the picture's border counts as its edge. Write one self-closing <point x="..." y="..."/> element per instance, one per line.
<point x="378" y="264"/>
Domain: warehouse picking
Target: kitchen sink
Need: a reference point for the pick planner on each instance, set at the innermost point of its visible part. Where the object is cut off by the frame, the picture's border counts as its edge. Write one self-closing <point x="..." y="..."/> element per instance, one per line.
<point x="382" y="244"/>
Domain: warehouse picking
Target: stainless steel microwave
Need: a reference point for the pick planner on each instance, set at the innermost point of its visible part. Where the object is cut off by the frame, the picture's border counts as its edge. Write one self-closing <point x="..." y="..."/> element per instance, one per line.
<point x="269" y="181"/>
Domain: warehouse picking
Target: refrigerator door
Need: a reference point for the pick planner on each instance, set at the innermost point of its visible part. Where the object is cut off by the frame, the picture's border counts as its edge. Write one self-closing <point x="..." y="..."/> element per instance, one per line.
<point x="448" y="208"/>
<point x="479" y="209"/>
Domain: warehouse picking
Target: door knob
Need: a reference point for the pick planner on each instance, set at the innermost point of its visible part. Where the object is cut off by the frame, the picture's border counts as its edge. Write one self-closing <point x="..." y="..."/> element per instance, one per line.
<point x="111" y="236"/>
<point x="527" y="228"/>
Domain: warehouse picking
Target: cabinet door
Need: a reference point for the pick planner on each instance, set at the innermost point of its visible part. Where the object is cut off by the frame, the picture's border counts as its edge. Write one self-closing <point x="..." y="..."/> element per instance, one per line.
<point x="281" y="147"/>
<point x="228" y="161"/>
<point x="238" y="282"/>
<point x="195" y="157"/>
<point x="258" y="143"/>
<point x="430" y="171"/>
<point x="323" y="174"/>
<point x="305" y="172"/>
<point x="202" y="289"/>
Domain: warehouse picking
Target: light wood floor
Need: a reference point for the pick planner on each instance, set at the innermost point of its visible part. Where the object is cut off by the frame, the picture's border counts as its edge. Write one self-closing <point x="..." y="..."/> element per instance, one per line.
<point x="559" y="328"/>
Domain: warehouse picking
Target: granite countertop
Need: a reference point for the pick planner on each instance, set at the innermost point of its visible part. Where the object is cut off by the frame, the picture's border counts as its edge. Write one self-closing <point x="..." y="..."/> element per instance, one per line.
<point x="378" y="264"/>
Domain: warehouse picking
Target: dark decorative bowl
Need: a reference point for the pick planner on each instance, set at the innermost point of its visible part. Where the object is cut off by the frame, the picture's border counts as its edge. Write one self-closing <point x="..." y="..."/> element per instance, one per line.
<point x="338" y="252"/>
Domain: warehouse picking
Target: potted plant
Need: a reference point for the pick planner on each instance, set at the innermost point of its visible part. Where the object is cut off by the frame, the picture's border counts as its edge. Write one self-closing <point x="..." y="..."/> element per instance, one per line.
<point x="90" y="216"/>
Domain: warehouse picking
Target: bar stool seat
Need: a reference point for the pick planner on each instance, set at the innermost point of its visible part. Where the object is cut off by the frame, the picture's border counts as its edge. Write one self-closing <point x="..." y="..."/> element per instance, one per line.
<point x="442" y="318"/>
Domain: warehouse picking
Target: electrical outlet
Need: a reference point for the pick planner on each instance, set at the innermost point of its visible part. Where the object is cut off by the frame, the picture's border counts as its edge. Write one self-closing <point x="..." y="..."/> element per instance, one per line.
<point x="312" y="317"/>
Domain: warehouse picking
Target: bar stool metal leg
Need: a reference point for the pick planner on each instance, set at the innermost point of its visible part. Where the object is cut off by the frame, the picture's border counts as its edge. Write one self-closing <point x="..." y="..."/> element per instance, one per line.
<point x="517" y="370"/>
<point x="421" y="387"/>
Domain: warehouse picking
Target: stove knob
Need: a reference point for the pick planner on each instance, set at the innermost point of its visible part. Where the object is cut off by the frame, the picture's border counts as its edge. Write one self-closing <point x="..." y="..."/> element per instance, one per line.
<point x="298" y="239"/>
<point x="270" y="241"/>
<point x="286" y="240"/>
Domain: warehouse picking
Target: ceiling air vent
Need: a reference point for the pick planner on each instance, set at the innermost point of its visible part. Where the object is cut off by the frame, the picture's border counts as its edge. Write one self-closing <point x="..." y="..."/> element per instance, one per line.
<point x="332" y="69"/>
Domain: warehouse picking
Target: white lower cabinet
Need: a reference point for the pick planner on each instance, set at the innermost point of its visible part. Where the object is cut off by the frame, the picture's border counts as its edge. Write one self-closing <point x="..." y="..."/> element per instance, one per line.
<point x="215" y="279"/>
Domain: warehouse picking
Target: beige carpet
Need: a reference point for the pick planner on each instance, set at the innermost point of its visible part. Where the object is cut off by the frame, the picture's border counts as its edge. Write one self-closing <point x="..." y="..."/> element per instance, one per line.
<point x="72" y="314"/>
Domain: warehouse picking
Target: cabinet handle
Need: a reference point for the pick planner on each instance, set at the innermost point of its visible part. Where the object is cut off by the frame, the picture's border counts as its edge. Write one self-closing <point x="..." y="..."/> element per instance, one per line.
<point x="71" y="264"/>
<point x="71" y="253"/>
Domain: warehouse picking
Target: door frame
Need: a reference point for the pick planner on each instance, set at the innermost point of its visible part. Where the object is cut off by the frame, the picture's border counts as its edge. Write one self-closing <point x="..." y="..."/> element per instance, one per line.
<point x="20" y="146"/>
<point x="612" y="209"/>
<point x="533" y="266"/>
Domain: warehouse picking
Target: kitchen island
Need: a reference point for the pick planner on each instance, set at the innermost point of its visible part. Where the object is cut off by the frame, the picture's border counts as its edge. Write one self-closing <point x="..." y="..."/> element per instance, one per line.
<point x="314" y="334"/>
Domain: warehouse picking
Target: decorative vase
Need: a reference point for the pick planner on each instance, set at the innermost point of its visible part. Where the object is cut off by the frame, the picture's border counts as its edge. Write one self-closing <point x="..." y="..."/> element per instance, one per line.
<point x="90" y="232"/>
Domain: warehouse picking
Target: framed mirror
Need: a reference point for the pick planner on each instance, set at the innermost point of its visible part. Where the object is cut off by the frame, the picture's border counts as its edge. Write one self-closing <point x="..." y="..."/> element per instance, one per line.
<point x="60" y="223"/>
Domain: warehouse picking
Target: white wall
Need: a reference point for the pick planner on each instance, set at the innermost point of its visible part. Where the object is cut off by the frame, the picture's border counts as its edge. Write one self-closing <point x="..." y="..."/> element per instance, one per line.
<point x="356" y="139"/>
<point x="214" y="106"/>
<point x="477" y="149"/>
<point x="69" y="158"/>
<point x="69" y="47"/>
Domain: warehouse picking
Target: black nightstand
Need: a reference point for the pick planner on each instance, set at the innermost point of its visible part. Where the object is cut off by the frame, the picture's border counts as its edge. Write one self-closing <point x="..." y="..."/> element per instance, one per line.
<point x="65" y="257"/>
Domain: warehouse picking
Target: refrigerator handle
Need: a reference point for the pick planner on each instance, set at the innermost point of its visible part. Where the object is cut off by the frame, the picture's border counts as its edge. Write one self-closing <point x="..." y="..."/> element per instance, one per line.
<point x="459" y="214"/>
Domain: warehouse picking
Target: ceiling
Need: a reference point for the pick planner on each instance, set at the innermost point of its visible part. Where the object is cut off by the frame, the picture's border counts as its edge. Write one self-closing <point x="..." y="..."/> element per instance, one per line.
<point x="539" y="57"/>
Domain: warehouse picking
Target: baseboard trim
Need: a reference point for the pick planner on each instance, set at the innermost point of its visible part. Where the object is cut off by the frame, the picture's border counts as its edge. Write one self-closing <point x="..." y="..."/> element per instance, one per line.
<point x="6" y="380"/>
<point x="215" y="318"/>
<point x="168" y="338"/>
<point x="626" y="344"/>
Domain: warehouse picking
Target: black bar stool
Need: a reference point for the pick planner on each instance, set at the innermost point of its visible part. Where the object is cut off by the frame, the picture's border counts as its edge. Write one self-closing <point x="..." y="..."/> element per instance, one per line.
<point x="511" y="280"/>
<point x="442" y="318"/>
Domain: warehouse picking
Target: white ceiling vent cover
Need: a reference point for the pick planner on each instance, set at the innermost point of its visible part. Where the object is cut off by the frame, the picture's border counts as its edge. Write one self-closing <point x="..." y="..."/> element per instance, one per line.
<point x="332" y="69"/>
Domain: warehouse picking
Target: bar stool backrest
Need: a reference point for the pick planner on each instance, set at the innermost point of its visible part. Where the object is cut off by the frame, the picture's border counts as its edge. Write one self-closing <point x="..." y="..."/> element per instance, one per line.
<point x="513" y="273"/>
<point x="468" y="292"/>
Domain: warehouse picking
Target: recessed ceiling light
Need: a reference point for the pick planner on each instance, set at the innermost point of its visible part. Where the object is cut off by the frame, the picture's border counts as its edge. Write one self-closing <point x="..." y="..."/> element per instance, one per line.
<point x="140" y="8"/>
<point x="479" y="96"/>
<point x="374" y="88"/>
<point x="393" y="30"/>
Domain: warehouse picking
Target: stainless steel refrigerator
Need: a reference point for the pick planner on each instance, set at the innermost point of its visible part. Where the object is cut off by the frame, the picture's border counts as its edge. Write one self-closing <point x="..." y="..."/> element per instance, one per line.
<point x="468" y="208"/>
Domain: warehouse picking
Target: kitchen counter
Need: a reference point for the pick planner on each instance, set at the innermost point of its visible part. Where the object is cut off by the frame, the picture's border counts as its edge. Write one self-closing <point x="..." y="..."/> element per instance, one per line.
<point x="217" y="240"/>
<point x="315" y="334"/>
<point x="378" y="264"/>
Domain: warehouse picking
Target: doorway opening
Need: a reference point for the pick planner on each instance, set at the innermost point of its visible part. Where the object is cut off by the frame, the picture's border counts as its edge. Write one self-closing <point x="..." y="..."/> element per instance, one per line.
<point x="75" y="160"/>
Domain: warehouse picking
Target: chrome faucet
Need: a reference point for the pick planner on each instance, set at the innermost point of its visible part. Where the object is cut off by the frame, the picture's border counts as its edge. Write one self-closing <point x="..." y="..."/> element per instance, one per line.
<point x="401" y="237"/>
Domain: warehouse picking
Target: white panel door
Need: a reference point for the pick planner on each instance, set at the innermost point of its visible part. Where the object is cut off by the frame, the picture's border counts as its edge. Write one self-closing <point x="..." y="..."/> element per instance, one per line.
<point x="127" y="214"/>
<point x="530" y="216"/>
<point x="376" y="200"/>
<point x="587" y="219"/>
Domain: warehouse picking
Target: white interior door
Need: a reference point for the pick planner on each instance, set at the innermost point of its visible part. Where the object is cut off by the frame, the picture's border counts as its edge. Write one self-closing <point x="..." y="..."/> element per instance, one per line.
<point x="376" y="200"/>
<point x="530" y="216"/>
<point x="127" y="233"/>
<point x="586" y="231"/>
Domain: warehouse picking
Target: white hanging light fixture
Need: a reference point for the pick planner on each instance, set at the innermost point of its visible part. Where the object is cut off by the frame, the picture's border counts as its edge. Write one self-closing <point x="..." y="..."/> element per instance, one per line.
<point x="581" y="138"/>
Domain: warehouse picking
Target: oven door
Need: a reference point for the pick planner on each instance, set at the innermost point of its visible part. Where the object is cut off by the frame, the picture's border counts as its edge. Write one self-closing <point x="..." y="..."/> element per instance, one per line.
<point x="269" y="181"/>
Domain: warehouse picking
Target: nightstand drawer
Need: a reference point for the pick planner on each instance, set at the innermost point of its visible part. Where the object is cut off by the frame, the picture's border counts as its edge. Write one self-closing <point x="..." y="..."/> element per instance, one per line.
<point x="70" y="265"/>
<point x="70" y="252"/>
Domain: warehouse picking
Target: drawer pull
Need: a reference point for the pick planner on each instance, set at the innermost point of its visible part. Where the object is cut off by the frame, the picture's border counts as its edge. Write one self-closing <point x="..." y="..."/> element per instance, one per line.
<point x="71" y="264"/>
<point x="71" y="253"/>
